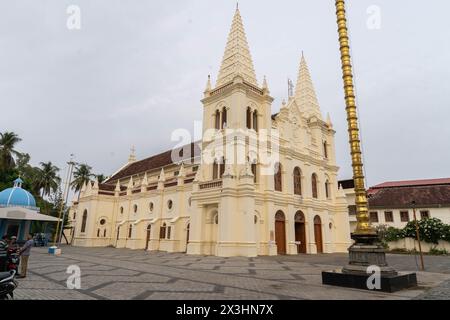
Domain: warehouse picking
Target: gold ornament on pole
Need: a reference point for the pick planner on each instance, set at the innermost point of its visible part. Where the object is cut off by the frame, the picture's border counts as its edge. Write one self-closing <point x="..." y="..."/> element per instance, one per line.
<point x="363" y="226"/>
<point x="367" y="251"/>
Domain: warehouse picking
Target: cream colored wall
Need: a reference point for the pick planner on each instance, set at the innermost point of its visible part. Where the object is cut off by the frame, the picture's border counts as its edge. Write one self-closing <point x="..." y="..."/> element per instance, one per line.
<point x="238" y="199"/>
<point x="440" y="213"/>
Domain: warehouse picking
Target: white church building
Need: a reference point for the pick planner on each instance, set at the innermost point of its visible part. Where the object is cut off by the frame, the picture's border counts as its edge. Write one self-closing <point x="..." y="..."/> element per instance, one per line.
<point x="257" y="184"/>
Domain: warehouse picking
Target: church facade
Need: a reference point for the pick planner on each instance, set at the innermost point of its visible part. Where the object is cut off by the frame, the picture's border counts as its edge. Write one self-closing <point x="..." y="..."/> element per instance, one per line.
<point x="256" y="184"/>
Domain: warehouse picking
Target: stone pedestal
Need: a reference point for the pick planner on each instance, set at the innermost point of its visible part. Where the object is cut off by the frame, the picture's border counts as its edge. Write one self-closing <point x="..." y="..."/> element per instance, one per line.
<point x="365" y="253"/>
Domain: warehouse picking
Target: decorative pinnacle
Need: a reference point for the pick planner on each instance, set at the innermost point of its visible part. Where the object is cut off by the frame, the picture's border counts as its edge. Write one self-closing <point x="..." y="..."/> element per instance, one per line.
<point x="132" y="157"/>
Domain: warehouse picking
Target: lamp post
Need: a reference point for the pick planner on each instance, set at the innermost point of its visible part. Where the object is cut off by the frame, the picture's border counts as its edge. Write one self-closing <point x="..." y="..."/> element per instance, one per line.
<point x="60" y="224"/>
<point x="366" y="252"/>
<point x="418" y="235"/>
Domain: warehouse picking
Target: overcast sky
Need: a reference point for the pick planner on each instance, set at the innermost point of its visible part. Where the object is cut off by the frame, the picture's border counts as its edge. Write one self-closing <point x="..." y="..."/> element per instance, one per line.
<point x="136" y="70"/>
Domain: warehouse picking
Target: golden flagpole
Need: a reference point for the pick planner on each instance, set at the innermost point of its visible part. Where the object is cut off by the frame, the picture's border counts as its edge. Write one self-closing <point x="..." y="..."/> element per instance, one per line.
<point x="363" y="227"/>
<point x="366" y="253"/>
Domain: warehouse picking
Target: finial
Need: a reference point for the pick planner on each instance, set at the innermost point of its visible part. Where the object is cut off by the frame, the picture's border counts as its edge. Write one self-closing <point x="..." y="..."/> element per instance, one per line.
<point x="208" y="84"/>
<point x="329" y="123"/>
<point x="132" y="157"/>
<point x="18" y="182"/>
<point x="265" y="86"/>
<point x="237" y="5"/>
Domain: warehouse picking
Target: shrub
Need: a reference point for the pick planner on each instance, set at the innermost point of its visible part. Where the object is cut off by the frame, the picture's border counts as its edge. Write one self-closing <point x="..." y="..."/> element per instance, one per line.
<point x="393" y="234"/>
<point x="430" y="230"/>
<point x="446" y="233"/>
<point x="437" y="252"/>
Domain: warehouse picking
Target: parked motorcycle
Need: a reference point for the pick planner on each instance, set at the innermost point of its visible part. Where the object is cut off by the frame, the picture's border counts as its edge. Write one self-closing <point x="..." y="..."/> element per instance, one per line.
<point x="7" y="285"/>
<point x="13" y="259"/>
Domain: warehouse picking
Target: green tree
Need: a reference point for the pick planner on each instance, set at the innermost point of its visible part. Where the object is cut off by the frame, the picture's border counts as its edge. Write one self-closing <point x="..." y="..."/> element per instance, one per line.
<point x="47" y="179"/>
<point x="8" y="142"/>
<point x="100" y="178"/>
<point x="81" y="176"/>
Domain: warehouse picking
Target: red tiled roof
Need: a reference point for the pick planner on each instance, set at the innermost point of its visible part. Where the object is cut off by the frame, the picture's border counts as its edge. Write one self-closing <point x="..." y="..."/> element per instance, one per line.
<point x="158" y="161"/>
<point x="402" y="197"/>
<point x="410" y="183"/>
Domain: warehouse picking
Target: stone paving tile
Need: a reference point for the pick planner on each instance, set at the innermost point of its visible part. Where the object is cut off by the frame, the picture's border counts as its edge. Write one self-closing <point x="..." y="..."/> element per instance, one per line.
<point x="270" y="275"/>
<point x="89" y="281"/>
<point x="42" y="294"/>
<point x="109" y="273"/>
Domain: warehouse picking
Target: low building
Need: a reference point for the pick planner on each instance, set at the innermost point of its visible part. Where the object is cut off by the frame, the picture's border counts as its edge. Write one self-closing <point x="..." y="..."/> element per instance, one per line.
<point x="391" y="203"/>
<point x="17" y="210"/>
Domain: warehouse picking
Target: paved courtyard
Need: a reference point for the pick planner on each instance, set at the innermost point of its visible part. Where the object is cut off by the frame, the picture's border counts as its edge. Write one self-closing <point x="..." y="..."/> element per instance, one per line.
<point x="109" y="273"/>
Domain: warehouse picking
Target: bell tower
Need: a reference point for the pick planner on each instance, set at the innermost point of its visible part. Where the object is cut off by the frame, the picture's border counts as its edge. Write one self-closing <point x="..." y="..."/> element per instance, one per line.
<point x="236" y="109"/>
<point x="236" y="103"/>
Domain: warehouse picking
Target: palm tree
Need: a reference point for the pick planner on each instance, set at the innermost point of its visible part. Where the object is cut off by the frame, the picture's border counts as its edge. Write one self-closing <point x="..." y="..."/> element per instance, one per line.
<point x="47" y="179"/>
<point x="81" y="176"/>
<point x="100" y="178"/>
<point x="8" y="141"/>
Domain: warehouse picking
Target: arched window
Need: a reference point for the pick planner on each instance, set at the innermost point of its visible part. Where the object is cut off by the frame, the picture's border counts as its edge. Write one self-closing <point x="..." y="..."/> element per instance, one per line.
<point x="277" y="177"/>
<point x="151" y="205"/>
<point x="224" y="117"/>
<point x="325" y="150"/>
<point x="170" y="204"/>
<point x="221" y="167"/>
<point x="215" y="170"/>
<point x="255" y="120"/>
<point x="130" y="230"/>
<point x="135" y="207"/>
<point x="297" y="181"/>
<point x="217" y="120"/>
<point x="327" y="189"/>
<point x="98" y="233"/>
<point x="162" y="231"/>
<point x="121" y="210"/>
<point x="104" y="233"/>
<point x="168" y="232"/>
<point x="74" y="215"/>
<point x="83" y="221"/>
<point x="314" y="185"/>
<point x="299" y="217"/>
<point x="254" y="171"/>
<point x="249" y="118"/>
<point x="216" y="218"/>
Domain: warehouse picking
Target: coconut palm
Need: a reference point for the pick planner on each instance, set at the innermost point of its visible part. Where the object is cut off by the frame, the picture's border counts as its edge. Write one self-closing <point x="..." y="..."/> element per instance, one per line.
<point x="8" y="141"/>
<point x="47" y="179"/>
<point x="100" y="178"/>
<point x="81" y="176"/>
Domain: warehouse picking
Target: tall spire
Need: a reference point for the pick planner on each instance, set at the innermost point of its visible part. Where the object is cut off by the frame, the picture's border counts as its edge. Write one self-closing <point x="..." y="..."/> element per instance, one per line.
<point x="304" y="91"/>
<point x="237" y="59"/>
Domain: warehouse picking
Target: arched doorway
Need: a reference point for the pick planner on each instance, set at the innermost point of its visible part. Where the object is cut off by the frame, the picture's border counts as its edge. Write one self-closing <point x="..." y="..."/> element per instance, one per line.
<point x="149" y="230"/>
<point x="318" y="234"/>
<point x="300" y="234"/>
<point x="280" y="232"/>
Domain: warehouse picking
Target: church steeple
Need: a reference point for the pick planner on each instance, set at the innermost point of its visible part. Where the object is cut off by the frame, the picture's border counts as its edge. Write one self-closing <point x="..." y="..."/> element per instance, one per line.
<point x="237" y="59"/>
<point x="305" y="94"/>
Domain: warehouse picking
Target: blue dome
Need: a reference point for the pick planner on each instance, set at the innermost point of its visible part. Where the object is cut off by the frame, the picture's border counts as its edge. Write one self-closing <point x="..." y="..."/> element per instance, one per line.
<point x="16" y="196"/>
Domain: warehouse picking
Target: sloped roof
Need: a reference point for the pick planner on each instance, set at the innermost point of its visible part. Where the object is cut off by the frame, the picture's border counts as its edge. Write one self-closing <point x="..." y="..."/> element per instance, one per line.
<point x="398" y="197"/>
<point x="409" y="183"/>
<point x="154" y="162"/>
